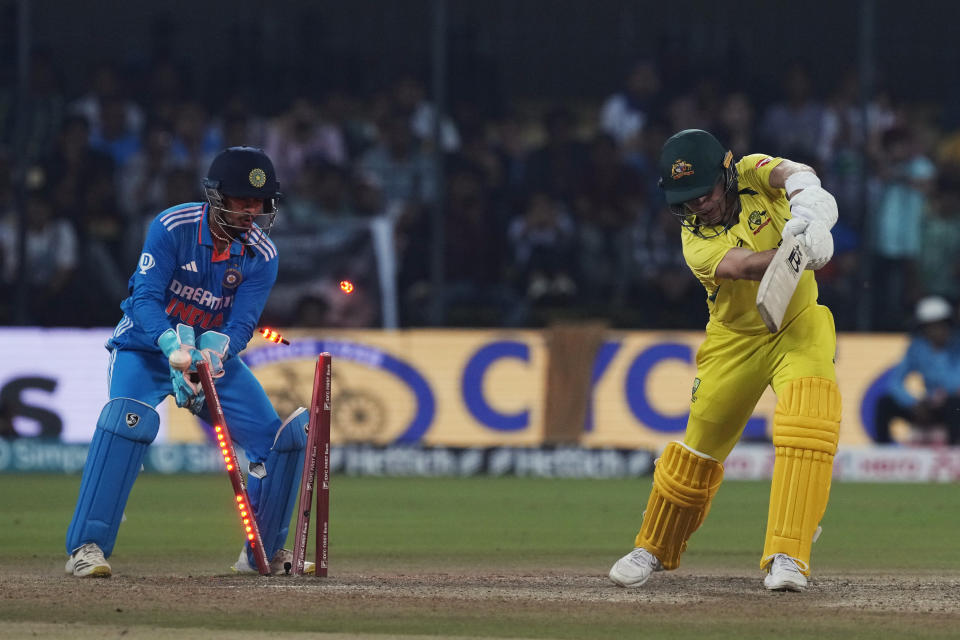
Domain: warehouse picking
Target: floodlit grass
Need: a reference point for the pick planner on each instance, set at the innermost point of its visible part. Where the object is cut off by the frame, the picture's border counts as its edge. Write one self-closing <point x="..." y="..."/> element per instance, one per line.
<point x="187" y="526"/>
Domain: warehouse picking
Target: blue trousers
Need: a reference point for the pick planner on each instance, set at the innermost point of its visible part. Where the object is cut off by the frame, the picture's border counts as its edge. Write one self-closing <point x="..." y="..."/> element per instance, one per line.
<point x="251" y="418"/>
<point x="110" y="471"/>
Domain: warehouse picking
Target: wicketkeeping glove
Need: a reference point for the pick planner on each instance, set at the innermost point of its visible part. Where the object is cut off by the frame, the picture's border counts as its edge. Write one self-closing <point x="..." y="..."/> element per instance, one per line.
<point x="180" y="348"/>
<point x="213" y="346"/>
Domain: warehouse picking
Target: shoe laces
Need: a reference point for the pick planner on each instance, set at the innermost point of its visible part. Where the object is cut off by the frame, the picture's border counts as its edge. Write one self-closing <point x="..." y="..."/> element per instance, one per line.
<point x="643" y="558"/>
<point x="783" y="562"/>
<point x="90" y="553"/>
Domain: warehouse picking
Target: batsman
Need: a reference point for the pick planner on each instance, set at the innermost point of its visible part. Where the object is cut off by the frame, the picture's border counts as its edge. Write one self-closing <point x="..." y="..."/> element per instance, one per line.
<point x="734" y="216"/>
<point x="196" y="295"/>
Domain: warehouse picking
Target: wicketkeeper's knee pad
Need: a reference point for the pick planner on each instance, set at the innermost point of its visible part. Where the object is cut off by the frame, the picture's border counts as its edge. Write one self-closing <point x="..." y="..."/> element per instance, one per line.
<point x="806" y="428"/>
<point x="125" y="429"/>
<point x="684" y="483"/>
<point x="273" y="485"/>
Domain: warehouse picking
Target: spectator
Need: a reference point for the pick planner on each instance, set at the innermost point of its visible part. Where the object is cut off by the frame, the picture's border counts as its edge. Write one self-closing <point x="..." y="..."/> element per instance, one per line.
<point x="114" y="137"/>
<point x="301" y="133"/>
<point x="610" y="201"/>
<point x="625" y="114"/>
<point x="558" y="165"/>
<point x="81" y="183"/>
<point x="477" y="153"/>
<point x="346" y="113"/>
<point x="165" y="89"/>
<point x="934" y="353"/>
<point x="195" y="139"/>
<point x="239" y="127"/>
<point x="737" y="123"/>
<point x="666" y="293"/>
<point x="44" y="110"/>
<point x="407" y="183"/>
<point x="141" y="181"/>
<point x="543" y="251"/>
<point x="106" y="85"/>
<point x="324" y="242"/>
<point x="794" y="125"/>
<point x="512" y="148"/>
<point x="403" y="169"/>
<point x="843" y="152"/>
<point x="474" y="291"/>
<point x="409" y="96"/>
<point x="321" y="196"/>
<point x="366" y="193"/>
<point x="940" y="239"/>
<point x="906" y="176"/>
<point x="51" y="260"/>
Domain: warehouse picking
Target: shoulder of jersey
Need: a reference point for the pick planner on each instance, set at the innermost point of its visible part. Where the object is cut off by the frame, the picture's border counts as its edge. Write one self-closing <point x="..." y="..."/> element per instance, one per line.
<point x="262" y="244"/>
<point x="180" y="215"/>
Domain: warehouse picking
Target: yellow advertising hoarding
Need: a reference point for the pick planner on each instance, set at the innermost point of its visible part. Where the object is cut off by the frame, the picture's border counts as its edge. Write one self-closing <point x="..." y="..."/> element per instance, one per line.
<point x="478" y="388"/>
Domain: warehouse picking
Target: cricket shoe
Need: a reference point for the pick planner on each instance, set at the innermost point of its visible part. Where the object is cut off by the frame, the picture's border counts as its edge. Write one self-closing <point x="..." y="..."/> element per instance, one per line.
<point x="280" y="564"/>
<point x="635" y="568"/>
<point x="88" y="562"/>
<point x="784" y="574"/>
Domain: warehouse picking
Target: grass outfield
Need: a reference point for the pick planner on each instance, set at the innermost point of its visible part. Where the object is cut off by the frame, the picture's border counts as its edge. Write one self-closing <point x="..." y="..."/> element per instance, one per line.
<point x="482" y="557"/>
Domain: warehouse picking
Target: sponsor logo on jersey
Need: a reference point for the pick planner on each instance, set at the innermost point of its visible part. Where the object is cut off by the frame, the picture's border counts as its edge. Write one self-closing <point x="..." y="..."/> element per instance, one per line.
<point x="763" y="161"/>
<point x="146" y="262"/>
<point x="199" y="295"/>
<point x="693" y="392"/>
<point x="232" y="278"/>
<point x="680" y="169"/>
<point x="257" y="178"/>
<point x="190" y="266"/>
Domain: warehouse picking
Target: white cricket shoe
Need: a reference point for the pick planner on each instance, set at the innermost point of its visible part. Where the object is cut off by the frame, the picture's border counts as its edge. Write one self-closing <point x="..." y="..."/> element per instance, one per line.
<point x="635" y="568"/>
<point x="280" y="564"/>
<point x="784" y="574"/>
<point x="88" y="562"/>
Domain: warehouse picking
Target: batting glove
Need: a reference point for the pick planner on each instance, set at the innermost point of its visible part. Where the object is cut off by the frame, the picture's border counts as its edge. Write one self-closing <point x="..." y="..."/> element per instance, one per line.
<point x="818" y="240"/>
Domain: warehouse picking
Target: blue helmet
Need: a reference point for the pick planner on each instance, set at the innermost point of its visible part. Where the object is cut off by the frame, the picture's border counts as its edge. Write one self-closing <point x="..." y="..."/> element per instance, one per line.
<point x="243" y="172"/>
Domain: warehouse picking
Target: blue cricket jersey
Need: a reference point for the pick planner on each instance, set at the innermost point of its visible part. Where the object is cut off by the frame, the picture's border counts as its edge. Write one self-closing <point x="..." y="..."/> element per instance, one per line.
<point x="939" y="368"/>
<point x="179" y="279"/>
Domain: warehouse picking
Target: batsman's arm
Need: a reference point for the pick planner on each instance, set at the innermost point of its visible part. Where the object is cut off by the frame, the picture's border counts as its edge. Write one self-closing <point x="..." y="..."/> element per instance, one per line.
<point x="744" y="264"/>
<point x="787" y="168"/>
<point x="809" y="201"/>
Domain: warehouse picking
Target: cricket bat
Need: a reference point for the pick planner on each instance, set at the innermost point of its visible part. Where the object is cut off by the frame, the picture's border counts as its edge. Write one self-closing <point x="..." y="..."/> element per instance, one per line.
<point x="780" y="281"/>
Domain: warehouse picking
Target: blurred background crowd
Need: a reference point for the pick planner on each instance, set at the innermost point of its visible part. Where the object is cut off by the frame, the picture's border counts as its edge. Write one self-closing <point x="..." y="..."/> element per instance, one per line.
<point x="549" y="203"/>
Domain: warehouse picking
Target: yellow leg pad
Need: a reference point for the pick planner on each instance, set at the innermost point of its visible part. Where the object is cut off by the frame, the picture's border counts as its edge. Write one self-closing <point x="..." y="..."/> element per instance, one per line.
<point x="806" y="427"/>
<point x="684" y="483"/>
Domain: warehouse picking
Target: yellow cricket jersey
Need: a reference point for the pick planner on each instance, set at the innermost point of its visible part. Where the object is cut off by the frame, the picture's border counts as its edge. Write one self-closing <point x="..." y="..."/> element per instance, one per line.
<point x="763" y="212"/>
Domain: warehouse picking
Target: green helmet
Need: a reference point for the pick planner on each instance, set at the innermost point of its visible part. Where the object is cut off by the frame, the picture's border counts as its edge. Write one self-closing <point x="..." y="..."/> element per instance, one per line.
<point x="691" y="163"/>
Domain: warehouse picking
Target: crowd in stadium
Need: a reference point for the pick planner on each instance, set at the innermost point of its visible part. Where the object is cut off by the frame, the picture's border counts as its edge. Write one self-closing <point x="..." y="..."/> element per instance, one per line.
<point x="551" y="209"/>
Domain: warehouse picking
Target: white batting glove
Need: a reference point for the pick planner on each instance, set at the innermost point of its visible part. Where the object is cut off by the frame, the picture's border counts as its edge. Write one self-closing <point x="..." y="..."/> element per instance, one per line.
<point x="818" y="241"/>
<point x="794" y="227"/>
<point x="814" y="203"/>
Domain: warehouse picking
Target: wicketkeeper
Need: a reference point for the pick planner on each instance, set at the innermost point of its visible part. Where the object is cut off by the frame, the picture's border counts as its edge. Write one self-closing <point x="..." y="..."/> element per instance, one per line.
<point x="734" y="215"/>
<point x="203" y="278"/>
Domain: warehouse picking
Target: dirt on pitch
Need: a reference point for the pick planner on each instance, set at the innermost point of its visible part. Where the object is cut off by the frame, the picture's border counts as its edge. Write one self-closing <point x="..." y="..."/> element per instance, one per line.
<point x="536" y="603"/>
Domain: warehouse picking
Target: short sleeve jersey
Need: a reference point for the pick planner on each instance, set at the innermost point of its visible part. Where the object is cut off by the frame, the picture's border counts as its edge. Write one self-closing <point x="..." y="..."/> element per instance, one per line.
<point x="763" y="212"/>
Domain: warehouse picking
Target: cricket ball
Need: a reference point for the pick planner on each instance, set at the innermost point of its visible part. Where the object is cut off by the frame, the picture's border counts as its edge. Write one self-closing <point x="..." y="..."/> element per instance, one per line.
<point x="180" y="360"/>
